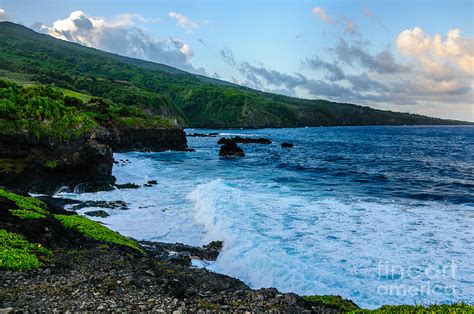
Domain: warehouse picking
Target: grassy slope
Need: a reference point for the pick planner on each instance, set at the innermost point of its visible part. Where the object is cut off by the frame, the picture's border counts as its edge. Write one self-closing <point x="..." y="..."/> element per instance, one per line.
<point x="185" y="98"/>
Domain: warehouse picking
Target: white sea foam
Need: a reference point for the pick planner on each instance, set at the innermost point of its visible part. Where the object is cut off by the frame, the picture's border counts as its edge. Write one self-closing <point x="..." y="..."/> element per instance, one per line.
<point x="326" y="246"/>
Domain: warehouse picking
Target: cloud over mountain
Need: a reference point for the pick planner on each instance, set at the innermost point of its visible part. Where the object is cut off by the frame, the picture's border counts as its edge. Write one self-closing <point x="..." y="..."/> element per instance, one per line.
<point x="121" y="35"/>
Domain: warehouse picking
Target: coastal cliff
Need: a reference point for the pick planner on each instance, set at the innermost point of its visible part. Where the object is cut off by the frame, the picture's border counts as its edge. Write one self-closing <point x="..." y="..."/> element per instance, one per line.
<point x="122" y="139"/>
<point x="47" y="164"/>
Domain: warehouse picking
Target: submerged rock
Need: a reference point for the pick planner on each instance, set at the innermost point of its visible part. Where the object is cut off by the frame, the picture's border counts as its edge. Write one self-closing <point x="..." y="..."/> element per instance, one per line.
<point x="121" y="205"/>
<point x="97" y="213"/>
<point x="215" y="134"/>
<point x="230" y="149"/>
<point x="127" y="186"/>
<point x="245" y="140"/>
<point x="287" y="145"/>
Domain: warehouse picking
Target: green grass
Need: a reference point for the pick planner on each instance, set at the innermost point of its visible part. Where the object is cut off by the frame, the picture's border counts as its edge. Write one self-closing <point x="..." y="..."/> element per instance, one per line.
<point x="26" y="207"/>
<point x="347" y="306"/>
<point x="81" y="96"/>
<point x="457" y="308"/>
<point x="16" y="253"/>
<point x="333" y="301"/>
<point x="51" y="164"/>
<point x="95" y="231"/>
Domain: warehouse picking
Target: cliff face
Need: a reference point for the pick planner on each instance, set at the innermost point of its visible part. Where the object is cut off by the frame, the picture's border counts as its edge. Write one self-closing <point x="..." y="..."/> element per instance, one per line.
<point x="45" y="165"/>
<point x="127" y="139"/>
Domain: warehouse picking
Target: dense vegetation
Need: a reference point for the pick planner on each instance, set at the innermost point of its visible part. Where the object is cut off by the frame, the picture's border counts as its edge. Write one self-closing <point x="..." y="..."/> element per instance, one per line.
<point x="186" y="99"/>
<point x="16" y="253"/>
<point x="47" y="111"/>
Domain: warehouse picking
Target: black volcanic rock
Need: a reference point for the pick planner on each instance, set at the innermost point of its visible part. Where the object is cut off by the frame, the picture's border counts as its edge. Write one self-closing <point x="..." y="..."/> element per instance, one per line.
<point x="47" y="164"/>
<point x="97" y="213"/>
<point x="84" y="164"/>
<point x="245" y="140"/>
<point x="203" y="135"/>
<point x="127" y="186"/>
<point x="123" y="139"/>
<point x="230" y="149"/>
<point x="287" y="145"/>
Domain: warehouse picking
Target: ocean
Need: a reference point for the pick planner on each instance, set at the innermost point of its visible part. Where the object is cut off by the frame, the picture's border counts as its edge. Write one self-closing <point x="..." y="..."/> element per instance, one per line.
<point x="378" y="215"/>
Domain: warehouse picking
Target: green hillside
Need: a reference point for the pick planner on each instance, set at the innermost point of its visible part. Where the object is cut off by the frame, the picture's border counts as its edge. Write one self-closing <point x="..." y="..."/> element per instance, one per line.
<point x="185" y="99"/>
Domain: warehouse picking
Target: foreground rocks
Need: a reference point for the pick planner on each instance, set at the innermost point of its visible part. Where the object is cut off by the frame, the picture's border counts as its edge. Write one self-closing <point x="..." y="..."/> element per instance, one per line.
<point x="88" y="275"/>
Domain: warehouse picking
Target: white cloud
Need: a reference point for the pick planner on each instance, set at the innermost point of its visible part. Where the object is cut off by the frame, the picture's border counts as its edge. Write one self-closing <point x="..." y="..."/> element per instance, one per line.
<point x="3" y="15"/>
<point x="183" y="21"/>
<point x="439" y="57"/>
<point x="122" y="36"/>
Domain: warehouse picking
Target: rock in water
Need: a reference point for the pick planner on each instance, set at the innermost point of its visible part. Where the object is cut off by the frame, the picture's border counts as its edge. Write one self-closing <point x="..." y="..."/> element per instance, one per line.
<point x="287" y="145"/>
<point x="230" y="149"/>
<point x="245" y="140"/>
<point x="127" y="186"/>
<point x="97" y="213"/>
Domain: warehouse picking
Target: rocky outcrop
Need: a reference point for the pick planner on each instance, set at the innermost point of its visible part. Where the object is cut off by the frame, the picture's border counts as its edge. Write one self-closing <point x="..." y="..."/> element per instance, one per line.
<point x="214" y="134"/>
<point x="245" y="140"/>
<point x="123" y="139"/>
<point x="83" y="164"/>
<point x="230" y="149"/>
<point x="47" y="164"/>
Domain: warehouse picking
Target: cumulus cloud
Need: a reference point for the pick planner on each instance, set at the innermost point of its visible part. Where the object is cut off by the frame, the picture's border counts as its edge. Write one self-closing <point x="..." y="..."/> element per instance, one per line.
<point x="441" y="58"/>
<point x="121" y="35"/>
<point x="3" y="15"/>
<point x="183" y="21"/>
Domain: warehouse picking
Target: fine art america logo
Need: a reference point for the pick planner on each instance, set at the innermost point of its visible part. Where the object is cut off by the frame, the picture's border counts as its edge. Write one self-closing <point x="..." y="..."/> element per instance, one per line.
<point x="430" y="280"/>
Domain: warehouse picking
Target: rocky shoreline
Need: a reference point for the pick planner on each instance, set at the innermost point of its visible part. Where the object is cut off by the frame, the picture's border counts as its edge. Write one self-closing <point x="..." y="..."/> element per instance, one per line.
<point x="91" y="268"/>
<point x="83" y="274"/>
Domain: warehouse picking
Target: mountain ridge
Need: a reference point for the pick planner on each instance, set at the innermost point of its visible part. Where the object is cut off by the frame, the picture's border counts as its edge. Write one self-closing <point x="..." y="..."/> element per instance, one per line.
<point x="191" y="100"/>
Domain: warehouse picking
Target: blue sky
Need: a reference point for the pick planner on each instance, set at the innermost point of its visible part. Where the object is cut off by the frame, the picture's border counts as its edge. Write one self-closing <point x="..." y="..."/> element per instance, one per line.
<point x="388" y="54"/>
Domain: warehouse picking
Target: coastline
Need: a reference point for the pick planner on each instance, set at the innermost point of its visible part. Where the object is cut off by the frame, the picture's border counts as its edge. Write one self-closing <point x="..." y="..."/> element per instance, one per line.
<point x="71" y="269"/>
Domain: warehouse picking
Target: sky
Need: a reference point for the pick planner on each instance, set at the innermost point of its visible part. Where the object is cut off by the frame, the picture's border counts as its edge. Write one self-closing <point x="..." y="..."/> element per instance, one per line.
<point x="410" y="56"/>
